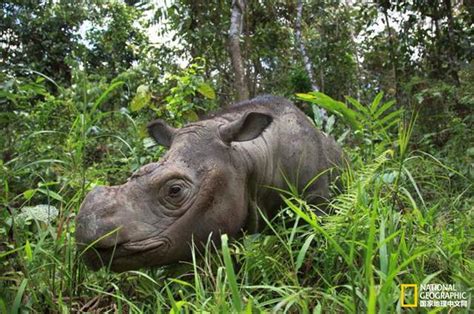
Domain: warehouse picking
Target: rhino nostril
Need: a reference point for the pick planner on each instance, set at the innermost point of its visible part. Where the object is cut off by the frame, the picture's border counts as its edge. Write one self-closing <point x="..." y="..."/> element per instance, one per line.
<point x="98" y="238"/>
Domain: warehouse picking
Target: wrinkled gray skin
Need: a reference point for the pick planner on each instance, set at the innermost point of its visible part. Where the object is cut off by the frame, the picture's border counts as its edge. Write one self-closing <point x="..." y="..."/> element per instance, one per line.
<point x="215" y="174"/>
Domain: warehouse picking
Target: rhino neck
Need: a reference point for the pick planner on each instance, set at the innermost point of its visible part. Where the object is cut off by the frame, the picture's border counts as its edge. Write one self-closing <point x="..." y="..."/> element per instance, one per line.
<point x="259" y="160"/>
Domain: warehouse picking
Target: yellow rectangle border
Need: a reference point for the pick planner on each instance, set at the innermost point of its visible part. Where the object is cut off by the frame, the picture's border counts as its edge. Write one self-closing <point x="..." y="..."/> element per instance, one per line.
<point x="403" y="287"/>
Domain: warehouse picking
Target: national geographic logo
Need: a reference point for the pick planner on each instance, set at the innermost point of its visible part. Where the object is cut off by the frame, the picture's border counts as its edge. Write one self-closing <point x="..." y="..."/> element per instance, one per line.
<point x="433" y="295"/>
<point x="404" y="295"/>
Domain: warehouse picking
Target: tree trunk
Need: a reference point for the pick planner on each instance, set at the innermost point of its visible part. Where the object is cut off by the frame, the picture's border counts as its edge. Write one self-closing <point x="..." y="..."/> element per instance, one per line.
<point x="299" y="42"/>
<point x="452" y="57"/>
<point x="393" y="57"/>
<point x="308" y="65"/>
<point x="240" y="81"/>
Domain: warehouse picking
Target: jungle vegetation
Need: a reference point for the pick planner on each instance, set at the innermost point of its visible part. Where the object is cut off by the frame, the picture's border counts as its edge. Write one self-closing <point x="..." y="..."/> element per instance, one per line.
<point x="392" y="81"/>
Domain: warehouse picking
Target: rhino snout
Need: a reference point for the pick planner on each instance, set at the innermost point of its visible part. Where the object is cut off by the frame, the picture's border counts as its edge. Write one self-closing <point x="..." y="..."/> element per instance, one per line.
<point x="95" y="218"/>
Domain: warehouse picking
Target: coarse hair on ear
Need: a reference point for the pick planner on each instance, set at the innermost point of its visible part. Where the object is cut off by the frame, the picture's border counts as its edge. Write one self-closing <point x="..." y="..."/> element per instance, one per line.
<point x="161" y="132"/>
<point x="246" y="128"/>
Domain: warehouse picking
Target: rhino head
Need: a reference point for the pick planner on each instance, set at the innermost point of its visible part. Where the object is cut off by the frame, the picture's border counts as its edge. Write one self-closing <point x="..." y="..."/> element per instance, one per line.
<point x="196" y="191"/>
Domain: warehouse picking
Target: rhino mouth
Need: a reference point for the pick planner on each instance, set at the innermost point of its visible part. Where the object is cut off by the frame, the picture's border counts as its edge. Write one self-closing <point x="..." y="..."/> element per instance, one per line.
<point x="125" y="256"/>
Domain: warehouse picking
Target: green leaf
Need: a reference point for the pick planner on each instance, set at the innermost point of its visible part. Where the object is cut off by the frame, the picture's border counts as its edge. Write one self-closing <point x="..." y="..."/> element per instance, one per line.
<point x="28" y="251"/>
<point x="389" y="117"/>
<point x="318" y="309"/>
<point x="105" y="94"/>
<point x="28" y="194"/>
<point x="190" y="115"/>
<point x="207" y="91"/>
<point x="229" y="268"/>
<point x="304" y="249"/>
<point x="19" y="297"/>
<point x="330" y="124"/>
<point x="141" y="99"/>
<point x="334" y="106"/>
<point x="44" y="213"/>
<point x="428" y="278"/>
<point x="376" y="102"/>
<point x="383" y="248"/>
<point x="2" y="255"/>
<point x="176" y="309"/>
<point x="384" y="108"/>
<point x="51" y="194"/>
<point x="470" y="151"/>
<point x="248" y="308"/>
<point x="357" y="105"/>
<point x="3" y="307"/>
<point x="372" y="304"/>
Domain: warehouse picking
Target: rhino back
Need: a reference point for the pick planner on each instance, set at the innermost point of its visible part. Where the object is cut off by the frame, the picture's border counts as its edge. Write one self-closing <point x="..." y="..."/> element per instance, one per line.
<point x="290" y="151"/>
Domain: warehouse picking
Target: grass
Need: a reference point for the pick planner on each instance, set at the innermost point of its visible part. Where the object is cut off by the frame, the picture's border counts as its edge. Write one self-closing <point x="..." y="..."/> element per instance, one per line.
<point x="404" y="217"/>
<point x="384" y="232"/>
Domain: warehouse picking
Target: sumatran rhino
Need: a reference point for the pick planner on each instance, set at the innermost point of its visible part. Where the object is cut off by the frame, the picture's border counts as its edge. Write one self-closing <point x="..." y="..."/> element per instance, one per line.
<point x="218" y="175"/>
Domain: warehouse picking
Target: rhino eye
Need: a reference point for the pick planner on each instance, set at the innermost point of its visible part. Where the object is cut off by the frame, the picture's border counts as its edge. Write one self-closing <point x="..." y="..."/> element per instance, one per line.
<point x="175" y="193"/>
<point x="174" y="190"/>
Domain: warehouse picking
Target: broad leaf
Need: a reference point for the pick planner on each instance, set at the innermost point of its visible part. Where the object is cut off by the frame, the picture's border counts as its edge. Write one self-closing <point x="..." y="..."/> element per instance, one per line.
<point x="207" y="91"/>
<point x="334" y="106"/>
<point x="141" y="99"/>
<point x="44" y="213"/>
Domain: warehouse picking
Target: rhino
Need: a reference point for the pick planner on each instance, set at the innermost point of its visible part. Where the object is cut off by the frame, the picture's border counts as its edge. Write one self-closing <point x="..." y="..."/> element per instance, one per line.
<point x="219" y="175"/>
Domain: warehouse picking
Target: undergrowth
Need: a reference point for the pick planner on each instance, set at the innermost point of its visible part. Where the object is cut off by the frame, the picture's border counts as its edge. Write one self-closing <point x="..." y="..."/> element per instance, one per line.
<point x="399" y="219"/>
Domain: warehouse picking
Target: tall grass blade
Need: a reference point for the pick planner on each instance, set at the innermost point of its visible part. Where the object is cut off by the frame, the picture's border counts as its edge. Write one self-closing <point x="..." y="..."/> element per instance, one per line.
<point x="303" y="250"/>
<point x="19" y="296"/>
<point x="105" y="94"/>
<point x="229" y="267"/>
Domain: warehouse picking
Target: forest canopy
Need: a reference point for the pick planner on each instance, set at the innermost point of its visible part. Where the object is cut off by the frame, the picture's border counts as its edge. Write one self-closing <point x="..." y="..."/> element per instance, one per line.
<point x="392" y="81"/>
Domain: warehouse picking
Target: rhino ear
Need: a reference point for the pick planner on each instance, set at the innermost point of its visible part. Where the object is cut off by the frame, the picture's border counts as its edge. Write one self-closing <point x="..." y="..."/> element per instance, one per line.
<point x="246" y="128"/>
<point x="161" y="132"/>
